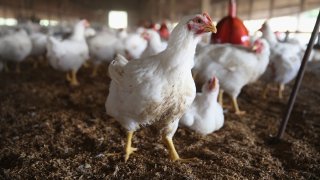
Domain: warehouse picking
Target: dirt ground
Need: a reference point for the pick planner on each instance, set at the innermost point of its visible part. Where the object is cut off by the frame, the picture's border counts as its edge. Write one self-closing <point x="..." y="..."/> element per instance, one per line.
<point x="49" y="130"/>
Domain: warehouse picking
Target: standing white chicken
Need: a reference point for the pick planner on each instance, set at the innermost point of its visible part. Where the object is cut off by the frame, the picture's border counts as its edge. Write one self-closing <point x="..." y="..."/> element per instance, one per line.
<point x="285" y="60"/>
<point x="39" y="43"/>
<point x="15" y="47"/>
<point x="205" y="115"/>
<point x="68" y="55"/>
<point x="134" y="46"/>
<point x="235" y="66"/>
<point x="155" y="45"/>
<point x="104" y="46"/>
<point x="157" y="89"/>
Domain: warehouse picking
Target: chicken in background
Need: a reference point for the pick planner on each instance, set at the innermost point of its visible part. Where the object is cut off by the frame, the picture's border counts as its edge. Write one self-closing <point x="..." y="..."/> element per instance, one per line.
<point x="234" y="65"/>
<point x="39" y="46"/>
<point x="205" y="115"/>
<point x="15" y="47"/>
<point x="314" y="60"/>
<point x="285" y="61"/>
<point x="155" y="45"/>
<point x="134" y="46"/>
<point x="158" y="89"/>
<point x="69" y="55"/>
<point x="104" y="46"/>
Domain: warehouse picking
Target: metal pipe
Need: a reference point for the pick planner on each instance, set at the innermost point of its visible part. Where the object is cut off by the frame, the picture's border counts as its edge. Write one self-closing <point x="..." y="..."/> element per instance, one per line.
<point x="297" y="83"/>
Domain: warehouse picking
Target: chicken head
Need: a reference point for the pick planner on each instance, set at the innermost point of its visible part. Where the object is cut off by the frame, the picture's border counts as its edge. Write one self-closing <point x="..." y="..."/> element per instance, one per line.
<point x="201" y="24"/>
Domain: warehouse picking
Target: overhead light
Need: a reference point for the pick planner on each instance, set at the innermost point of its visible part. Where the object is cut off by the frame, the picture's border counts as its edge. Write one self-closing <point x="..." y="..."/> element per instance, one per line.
<point x="118" y="19"/>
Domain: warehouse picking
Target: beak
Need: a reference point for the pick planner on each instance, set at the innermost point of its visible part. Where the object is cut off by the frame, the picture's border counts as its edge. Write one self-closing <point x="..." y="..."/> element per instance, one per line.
<point x="210" y="28"/>
<point x="254" y="48"/>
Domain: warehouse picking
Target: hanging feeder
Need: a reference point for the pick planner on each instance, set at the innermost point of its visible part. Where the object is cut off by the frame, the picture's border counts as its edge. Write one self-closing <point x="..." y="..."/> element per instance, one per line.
<point x="231" y="29"/>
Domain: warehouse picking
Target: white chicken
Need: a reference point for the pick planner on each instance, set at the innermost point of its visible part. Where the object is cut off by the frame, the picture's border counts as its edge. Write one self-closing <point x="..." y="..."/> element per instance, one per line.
<point x="285" y="60"/>
<point x="235" y="66"/>
<point x="103" y="48"/>
<point x="39" y="43"/>
<point x="155" y="45"/>
<point x="134" y="46"/>
<point x="15" y="47"/>
<point x="158" y="89"/>
<point x="205" y="115"/>
<point x="68" y="55"/>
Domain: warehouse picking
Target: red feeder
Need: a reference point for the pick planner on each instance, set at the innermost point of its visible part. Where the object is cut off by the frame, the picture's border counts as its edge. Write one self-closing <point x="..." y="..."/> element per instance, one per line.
<point x="231" y="29"/>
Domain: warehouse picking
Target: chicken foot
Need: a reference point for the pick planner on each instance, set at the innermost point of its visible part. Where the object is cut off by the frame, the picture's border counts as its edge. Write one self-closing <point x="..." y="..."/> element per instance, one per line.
<point x="236" y="107"/>
<point x="73" y="79"/>
<point x="95" y="71"/>
<point x="174" y="156"/>
<point x="172" y="150"/>
<point x="129" y="149"/>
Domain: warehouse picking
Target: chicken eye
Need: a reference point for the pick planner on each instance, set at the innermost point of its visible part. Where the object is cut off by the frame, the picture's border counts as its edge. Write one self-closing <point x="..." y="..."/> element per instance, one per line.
<point x="199" y="20"/>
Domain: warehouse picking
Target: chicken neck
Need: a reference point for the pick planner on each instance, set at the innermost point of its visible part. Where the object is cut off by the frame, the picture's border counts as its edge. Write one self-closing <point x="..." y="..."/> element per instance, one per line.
<point x="78" y="33"/>
<point x="181" y="47"/>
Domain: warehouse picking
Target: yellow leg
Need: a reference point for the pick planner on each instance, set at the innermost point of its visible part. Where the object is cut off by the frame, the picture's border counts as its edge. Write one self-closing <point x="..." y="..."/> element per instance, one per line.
<point x="236" y="107"/>
<point x="221" y="97"/>
<point x="281" y="89"/>
<point x="265" y="91"/>
<point x="95" y="71"/>
<point x="74" y="81"/>
<point x="174" y="156"/>
<point x="18" y="67"/>
<point x="129" y="149"/>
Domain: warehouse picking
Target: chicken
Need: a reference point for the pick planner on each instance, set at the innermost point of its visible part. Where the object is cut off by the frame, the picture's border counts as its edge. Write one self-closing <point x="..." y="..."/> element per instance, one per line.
<point x="314" y="60"/>
<point x="155" y="45"/>
<point x="39" y="43"/>
<point x="158" y="89"/>
<point x="134" y="46"/>
<point x="104" y="46"/>
<point x="68" y="55"/>
<point x="205" y="114"/>
<point x="235" y="66"/>
<point x="285" y="61"/>
<point x="15" y="47"/>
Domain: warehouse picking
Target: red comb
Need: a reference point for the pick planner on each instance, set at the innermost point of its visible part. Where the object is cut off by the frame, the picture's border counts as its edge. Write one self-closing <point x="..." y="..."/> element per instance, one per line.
<point x="207" y="16"/>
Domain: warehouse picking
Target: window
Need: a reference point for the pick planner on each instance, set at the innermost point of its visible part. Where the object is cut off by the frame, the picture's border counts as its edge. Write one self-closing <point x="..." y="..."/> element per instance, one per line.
<point x="8" y="21"/>
<point x="118" y="19"/>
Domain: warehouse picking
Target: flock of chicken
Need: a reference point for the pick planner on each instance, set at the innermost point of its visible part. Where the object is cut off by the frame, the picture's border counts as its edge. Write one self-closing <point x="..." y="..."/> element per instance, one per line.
<point x="160" y="77"/>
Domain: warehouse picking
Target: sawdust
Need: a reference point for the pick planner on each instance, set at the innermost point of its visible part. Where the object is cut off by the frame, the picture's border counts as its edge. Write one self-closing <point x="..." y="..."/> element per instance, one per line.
<point x="50" y="130"/>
